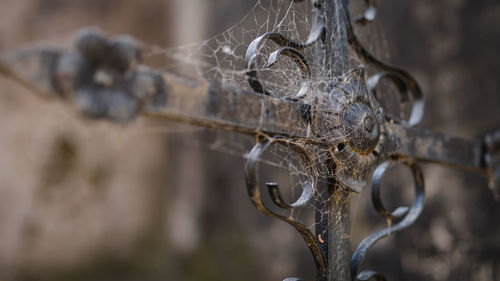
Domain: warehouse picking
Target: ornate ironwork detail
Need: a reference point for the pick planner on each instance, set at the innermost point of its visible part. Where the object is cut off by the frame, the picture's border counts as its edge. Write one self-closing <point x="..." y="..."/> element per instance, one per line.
<point x="308" y="190"/>
<point x="406" y="84"/>
<point x="104" y="79"/>
<point x="360" y="148"/>
<point x="288" y="48"/>
<point x="407" y="87"/>
<point x="366" y="110"/>
<point x="407" y="216"/>
<point x="101" y="76"/>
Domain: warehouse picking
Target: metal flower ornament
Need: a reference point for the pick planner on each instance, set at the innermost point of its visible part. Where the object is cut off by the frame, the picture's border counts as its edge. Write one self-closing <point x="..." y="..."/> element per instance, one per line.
<point x="337" y="111"/>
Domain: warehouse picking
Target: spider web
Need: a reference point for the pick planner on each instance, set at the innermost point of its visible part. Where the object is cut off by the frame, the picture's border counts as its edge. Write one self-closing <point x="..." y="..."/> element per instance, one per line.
<point x="221" y="59"/>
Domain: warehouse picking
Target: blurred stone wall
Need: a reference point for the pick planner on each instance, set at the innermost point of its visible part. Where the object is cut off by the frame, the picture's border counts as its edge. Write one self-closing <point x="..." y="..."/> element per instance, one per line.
<point x="74" y="192"/>
<point x="82" y="200"/>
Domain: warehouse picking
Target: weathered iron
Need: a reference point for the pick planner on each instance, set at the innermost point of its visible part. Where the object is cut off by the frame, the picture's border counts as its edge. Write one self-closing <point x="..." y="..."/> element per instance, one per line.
<point x="104" y="78"/>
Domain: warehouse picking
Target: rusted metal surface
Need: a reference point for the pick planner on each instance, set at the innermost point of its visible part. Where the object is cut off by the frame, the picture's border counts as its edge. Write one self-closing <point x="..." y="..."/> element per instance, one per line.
<point x="208" y="104"/>
<point x="151" y="93"/>
<point x="332" y="54"/>
<point x="424" y="145"/>
<point x="339" y="232"/>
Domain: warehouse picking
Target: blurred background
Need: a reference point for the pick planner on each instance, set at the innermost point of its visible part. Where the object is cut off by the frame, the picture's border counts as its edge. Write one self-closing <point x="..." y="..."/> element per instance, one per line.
<point x="84" y="200"/>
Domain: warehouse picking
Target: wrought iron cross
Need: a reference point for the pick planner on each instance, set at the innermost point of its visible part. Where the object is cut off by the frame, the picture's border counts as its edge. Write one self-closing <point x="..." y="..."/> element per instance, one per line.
<point x="103" y="78"/>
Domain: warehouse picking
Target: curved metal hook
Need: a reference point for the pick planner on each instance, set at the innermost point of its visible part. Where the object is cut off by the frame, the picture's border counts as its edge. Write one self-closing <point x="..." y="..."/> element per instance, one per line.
<point x="408" y="216"/>
<point x="305" y="197"/>
<point x="289" y="48"/>
<point x="369" y="274"/>
<point x="417" y="110"/>
<point x="377" y="201"/>
<point x="251" y="177"/>
<point x="300" y="61"/>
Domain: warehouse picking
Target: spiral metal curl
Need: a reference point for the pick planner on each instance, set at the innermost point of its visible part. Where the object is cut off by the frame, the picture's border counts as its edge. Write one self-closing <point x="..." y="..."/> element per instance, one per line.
<point x="251" y="177"/>
<point x="289" y="48"/>
<point x="402" y="79"/>
<point x="407" y="215"/>
<point x="407" y="86"/>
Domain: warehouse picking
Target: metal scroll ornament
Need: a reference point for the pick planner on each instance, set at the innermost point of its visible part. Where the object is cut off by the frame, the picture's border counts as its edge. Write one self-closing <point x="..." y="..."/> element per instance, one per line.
<point x="289" y="48"/>
<point x="308" y="190"/>
<point x="405" y="216"/>
<point x="365" y="147"/>
<point x="408" y="88"/>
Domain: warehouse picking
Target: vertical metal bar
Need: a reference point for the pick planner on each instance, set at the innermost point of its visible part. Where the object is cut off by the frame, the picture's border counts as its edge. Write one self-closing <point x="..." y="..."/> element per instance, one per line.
<point x="332" y="55"/>
<point x="339" y="246"/>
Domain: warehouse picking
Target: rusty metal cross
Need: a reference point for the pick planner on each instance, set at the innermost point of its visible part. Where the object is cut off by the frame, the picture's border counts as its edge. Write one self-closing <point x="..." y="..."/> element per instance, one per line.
<point x="104" y="78"/>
